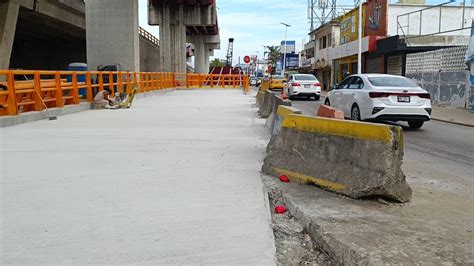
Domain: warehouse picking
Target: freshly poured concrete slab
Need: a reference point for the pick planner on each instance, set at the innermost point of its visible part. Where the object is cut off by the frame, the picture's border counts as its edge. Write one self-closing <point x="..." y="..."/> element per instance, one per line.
<point x="175" y="179"/>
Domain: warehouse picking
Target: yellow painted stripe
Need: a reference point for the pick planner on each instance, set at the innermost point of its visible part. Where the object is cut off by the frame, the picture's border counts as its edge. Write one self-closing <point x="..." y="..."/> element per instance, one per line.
<point x="286" y="110"/>
<point x="310" y="179"/>
<point x="345" y="128"/>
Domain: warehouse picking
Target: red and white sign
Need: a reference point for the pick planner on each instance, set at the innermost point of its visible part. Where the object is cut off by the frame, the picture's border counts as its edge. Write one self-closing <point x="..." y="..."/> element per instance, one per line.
<point x="247" y="59"/>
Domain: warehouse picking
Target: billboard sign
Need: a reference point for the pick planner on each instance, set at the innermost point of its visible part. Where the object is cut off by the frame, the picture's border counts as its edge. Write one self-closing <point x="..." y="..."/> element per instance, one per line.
<point x="290" y="47"/>
<point x="292" y="61"/>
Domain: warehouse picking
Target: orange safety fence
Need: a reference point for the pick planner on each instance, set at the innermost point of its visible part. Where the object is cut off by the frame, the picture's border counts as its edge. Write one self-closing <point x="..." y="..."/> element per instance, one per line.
<point x="24" y="90"/>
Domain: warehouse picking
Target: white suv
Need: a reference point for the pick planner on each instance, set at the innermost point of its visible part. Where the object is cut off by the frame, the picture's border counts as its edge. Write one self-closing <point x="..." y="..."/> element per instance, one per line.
<point x="303" y="85"/>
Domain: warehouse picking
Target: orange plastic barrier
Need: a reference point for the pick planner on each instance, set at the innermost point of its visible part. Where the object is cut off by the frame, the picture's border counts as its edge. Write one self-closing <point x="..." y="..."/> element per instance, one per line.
<point x="329" y="112"/>
<point x="23" y="90"/>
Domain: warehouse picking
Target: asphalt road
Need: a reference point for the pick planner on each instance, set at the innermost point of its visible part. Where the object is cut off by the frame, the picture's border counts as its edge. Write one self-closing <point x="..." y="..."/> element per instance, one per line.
<point x="442" y="146"/>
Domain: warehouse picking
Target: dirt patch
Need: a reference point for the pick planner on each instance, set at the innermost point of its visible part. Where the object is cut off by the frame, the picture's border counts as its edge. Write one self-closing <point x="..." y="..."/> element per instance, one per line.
<point x="293" y="245"/>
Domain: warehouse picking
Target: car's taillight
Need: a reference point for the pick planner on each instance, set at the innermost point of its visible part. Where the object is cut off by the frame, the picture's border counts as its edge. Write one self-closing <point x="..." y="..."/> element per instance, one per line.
<point x="295" y="84"/>
<point x="424" y="95"/>
<point x="379" y="94"/>
<point x="317" y="84"/>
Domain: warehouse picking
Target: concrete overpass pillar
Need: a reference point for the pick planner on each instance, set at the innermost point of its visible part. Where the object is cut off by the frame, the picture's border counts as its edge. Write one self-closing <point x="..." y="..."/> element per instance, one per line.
<point x="178" y="40"/>
<point x="206" y="59"/>
<point x="8" y="20"/>
<point x="112" y="33"/>
<point x="165" y="39"/>
<point x="200" y="56"/>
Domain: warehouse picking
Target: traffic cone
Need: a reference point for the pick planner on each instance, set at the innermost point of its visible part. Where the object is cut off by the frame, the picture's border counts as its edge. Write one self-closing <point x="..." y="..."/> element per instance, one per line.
<point x="283" y="94"/>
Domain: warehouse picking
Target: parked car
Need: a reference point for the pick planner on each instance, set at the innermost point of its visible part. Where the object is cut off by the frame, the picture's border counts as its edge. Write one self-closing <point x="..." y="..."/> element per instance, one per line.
<point x="303" y="85"/>
<point x="253" y="82"/>
<point x="381" y="97"/>
<point x="277" y="82"/>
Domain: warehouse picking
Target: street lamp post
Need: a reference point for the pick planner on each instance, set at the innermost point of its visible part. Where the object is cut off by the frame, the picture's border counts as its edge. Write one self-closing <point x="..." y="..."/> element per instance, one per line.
<point x="284" y="50"/>
<point x="359" y="54"/>
<point x="256" y="65"/>
<point x="264" y="61"/>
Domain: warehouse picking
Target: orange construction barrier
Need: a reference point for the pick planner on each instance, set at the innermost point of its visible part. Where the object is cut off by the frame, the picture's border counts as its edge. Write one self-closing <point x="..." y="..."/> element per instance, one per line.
<point x="329" y="112"/>
<point x="25" y="90"/>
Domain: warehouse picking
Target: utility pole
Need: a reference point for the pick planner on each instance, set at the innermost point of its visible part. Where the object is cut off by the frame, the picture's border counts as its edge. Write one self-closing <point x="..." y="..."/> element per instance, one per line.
<point x="359" y="54"/>
<point x="284" y="50"/>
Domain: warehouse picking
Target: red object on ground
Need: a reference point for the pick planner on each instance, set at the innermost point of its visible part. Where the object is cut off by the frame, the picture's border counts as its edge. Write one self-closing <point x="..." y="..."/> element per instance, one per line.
<point x="284" y="178"/>
<point x="280" y="209"/>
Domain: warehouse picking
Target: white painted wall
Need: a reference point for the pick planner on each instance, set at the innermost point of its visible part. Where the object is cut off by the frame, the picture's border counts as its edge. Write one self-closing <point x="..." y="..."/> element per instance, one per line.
<point x="451" y="18"/>
<point x="323" y="54"/>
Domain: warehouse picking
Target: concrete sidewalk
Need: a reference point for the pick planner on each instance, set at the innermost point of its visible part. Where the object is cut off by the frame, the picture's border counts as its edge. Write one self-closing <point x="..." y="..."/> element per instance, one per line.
<point x="453" y="115"/>
<point x="173" y="180"/>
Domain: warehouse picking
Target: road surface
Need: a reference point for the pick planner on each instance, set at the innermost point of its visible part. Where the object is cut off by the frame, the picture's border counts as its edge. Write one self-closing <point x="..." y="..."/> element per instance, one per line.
<point x="173" y="180"/>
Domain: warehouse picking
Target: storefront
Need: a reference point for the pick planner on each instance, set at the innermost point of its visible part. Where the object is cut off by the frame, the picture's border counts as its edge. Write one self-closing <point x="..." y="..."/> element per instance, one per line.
<point x="394" y="49"/>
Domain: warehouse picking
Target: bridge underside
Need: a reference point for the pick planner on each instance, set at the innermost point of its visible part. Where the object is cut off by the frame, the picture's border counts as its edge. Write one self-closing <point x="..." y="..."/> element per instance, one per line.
<point x="182" y="21"/>
<point x="48" y="35"/>
<point x="42" y="42"/>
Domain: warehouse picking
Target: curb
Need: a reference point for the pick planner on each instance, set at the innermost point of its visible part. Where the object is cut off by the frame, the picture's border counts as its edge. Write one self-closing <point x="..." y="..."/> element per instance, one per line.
<point x="337" y="251"/>
<point x="452" y="122"/>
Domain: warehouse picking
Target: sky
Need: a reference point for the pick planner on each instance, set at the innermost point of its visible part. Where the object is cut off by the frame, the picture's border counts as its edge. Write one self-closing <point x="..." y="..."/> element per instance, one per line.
<point x="256" y="23"/>
<point x="252" y="23"/>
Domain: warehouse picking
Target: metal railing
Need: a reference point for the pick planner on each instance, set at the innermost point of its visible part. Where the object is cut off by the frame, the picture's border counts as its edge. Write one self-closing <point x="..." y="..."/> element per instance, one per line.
<point x="406" y="21"/>
<point x="57" y="89"/>
<point x="148" y="36"/>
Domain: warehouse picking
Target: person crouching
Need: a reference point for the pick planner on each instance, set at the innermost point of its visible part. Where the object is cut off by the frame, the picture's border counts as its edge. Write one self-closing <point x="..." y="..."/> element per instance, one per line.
<point x="102" y="99"/>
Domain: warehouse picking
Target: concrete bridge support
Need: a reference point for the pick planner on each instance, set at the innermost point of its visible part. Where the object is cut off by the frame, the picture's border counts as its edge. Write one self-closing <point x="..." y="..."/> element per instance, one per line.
<point x="178" y="40"/>
<point x="8" y="20"/>
<point x="204" y="46"/>
<point x="180" y="23"/>
<point x="165" y="37"/>
<point x="172" y="36"/>
<point x="112" y="33"/>
<point x="200" y="56"/>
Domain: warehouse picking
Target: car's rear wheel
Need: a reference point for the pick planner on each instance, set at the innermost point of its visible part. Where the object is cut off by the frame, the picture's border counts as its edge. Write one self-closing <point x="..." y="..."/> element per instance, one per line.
<point x="316" y="98"/>
<point x="415" y="124"/>
<point x="355" y="113"/>
<point x="327" y="103"/>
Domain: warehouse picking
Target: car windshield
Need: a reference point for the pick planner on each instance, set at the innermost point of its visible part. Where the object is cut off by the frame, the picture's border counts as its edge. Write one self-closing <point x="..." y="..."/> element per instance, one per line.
<point x="278" y="77"/>
<point x="391" y="82"/>
<point x="305" y="77"/>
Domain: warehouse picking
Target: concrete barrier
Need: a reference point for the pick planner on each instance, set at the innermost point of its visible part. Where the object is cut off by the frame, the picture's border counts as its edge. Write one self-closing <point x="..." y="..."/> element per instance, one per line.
<point x="329" y="112"/>
<point x="266" y="108"/>
<point x="355" y="159"/>
<point x="260" y="97"/>
<point x="278" y="101"/>
<point x="275" y="120"/>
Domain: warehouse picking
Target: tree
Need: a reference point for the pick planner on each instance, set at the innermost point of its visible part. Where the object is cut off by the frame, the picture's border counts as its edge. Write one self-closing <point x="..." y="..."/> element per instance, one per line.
<point x="216" y="62"/>
<point x="274" y="55"/>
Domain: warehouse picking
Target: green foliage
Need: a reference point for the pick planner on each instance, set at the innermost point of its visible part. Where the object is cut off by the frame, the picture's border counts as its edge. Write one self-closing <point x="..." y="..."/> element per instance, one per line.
<point x="274" y="55"/>
<point x="216" y="62"/>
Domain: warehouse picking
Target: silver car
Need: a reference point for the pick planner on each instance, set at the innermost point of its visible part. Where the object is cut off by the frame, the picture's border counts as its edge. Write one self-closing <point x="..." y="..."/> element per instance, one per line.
<point x="303" y="85"/>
